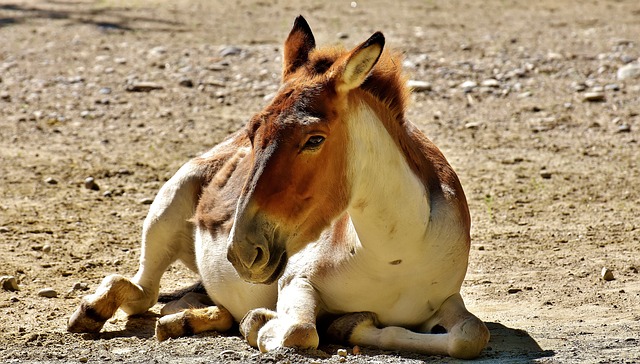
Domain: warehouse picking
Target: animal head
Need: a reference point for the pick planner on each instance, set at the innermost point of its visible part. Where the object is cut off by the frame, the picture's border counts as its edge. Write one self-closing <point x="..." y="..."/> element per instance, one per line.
<point x="298" y="182"/>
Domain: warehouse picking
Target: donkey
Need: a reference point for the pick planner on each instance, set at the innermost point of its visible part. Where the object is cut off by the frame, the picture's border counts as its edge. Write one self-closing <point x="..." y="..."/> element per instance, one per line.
<point x="329" y="203"/>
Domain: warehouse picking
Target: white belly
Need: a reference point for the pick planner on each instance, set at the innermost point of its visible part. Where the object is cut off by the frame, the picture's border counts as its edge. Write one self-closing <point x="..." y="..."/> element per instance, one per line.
<point x="223" y="284"/>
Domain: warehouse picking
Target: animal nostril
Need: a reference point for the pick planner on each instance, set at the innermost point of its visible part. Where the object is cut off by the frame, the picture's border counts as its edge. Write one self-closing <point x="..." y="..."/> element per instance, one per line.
<point x="259" y="256"/>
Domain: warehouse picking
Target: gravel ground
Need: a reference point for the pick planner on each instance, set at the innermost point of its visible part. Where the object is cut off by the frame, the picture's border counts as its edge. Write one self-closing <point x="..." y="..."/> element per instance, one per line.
<point x="535" y="104"/>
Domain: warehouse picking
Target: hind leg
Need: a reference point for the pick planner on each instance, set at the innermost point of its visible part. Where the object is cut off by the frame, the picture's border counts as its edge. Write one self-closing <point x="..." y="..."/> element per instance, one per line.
<point x="167" y="236"/>
<point x="193" y="321"/>
<point x="452" y="331"/>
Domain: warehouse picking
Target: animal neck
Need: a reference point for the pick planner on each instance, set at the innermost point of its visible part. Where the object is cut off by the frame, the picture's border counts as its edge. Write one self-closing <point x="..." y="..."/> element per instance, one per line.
<point x="390" y="206"/>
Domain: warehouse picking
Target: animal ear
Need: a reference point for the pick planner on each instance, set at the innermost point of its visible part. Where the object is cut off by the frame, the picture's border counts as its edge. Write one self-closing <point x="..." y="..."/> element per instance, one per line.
<point x="360" y="62"/>
<point x="297" y="46"/>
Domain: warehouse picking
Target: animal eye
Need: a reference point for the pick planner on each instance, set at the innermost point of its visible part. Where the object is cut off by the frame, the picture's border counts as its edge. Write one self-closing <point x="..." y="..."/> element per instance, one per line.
<point x="313" y="142"/>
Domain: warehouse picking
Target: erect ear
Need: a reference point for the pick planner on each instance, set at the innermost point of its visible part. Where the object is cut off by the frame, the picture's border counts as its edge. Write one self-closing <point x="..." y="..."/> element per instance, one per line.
<point x="297" y="46"/>
<point x="360" y="62"/>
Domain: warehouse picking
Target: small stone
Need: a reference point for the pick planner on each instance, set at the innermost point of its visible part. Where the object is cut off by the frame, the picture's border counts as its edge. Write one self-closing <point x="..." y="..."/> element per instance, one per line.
<point x="356" y="350"/>
<point x="107" y="194"/>
<point x="9" y="283"/>
<point x="419" y="86"/>
<point x="545" y="174"/>
<point x="472" y="125"/>
<point x="80" y="286"/>
<point x="46" y="248"/>
<point x="120" y="60"/>
<point x="50" y="181"/>
<point x="624" y="128"/>
<point x="230" y="51"/>
<point x="490" y="82"/>
<point x="48" y="293"/>
<point x="83" y="359"/>
<point x="105" y="90"/>
<point x="342" y="352"/>
<point x="90" y="184"/>
<point x="513" y="290"/>
<point x="4" y="95"/>
<point x="631" y="70"/>
<point x="186" y="82"/>
<point x="468" y="86"/>
<point x="4" y="229"/>
<point x="593" y="96"/>
<point x="342" y="35"/>
<point x="143" y="87"/>
<point x="606" y="274"/>
<point x="146" y="201"/>
<point x="157" y="51"/>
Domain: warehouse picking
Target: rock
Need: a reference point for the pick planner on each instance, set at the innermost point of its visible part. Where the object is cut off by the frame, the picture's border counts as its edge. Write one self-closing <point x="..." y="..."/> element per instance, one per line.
<point x="624" y="128"/>
<point x="9" y="283"/>
<point x="419" y="86"/>
<point x="80" y="286"/>
<point x="342" y="35"/>
<point x="513" y="290"/>
<point x="468" y="86"/>
<point x="186" y="82"/>
<point x="90" y="184"/>
<point x="593" y="96"/>
<point x="607" y="274"/>
<point x="143" y="87"/>
<point x="490" y="82"/>
<point x="48" y="293"/>
<point x="4" y="95"/>
<point x="472" y="125"/>
<point x="105" y="90"/>
<point x="342" y="352"/>
<point x="46" y="248"/>
<point x="4" y="229"/>
<point x="545" y="174"/>
<point x="50" y="181"/>
<point x="146" y="201"/>
<point x="230" y="51"/>
<point x="157" y="51"/>
<point x="631" y="70"/>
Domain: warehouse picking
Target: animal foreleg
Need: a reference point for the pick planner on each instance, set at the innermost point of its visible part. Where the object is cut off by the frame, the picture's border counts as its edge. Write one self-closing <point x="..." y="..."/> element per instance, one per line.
<point x="294" y="324"/>
<point x="465" y="335"/>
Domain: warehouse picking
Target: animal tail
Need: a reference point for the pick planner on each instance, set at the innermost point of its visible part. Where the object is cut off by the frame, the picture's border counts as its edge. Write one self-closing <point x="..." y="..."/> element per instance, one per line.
<point x="165" y="297"/>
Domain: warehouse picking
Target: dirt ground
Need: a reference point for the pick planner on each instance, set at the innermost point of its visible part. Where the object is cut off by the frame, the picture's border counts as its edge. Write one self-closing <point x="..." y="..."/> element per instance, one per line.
<point x="552" y="180"/>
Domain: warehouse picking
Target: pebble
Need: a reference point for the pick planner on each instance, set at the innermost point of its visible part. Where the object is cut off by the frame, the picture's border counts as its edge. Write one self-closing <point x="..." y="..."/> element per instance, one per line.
<point x="594" y="96"/>
<point x="80" y="286"/>
<point x="545" y="174"/>
<point x="4" y="229"/>
<point x="631" y="70"/>
<point x="342" y="352"/>
<point x="146" y="201"/>
<point x="46" y="248"/>
<point x="48" y="293"/>
<point x="105" y="90"/>
<point x="50" y="181"/>
<point x="186" y="82"/>
<point x="9" y="283"/>
<point x="90" y="184"/>
<point x="143" y="87"/>
<point x="624" y="128"/>
<point x="607" y="274"/>
<point x="468" y="86"/>
<point x="490" y="82"/>
<point x="4" y="95"/>
<point x="342" y="35"/>
<point x="514" y="290"/>
<point x="419" y="86"/>
<point x="230" y="51"/>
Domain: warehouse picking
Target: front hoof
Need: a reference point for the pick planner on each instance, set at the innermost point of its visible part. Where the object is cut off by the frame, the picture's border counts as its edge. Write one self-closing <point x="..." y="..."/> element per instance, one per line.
<point x="85" y="320"/>
<point x="253" y="322"/>
<point x="301" y="336"/>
